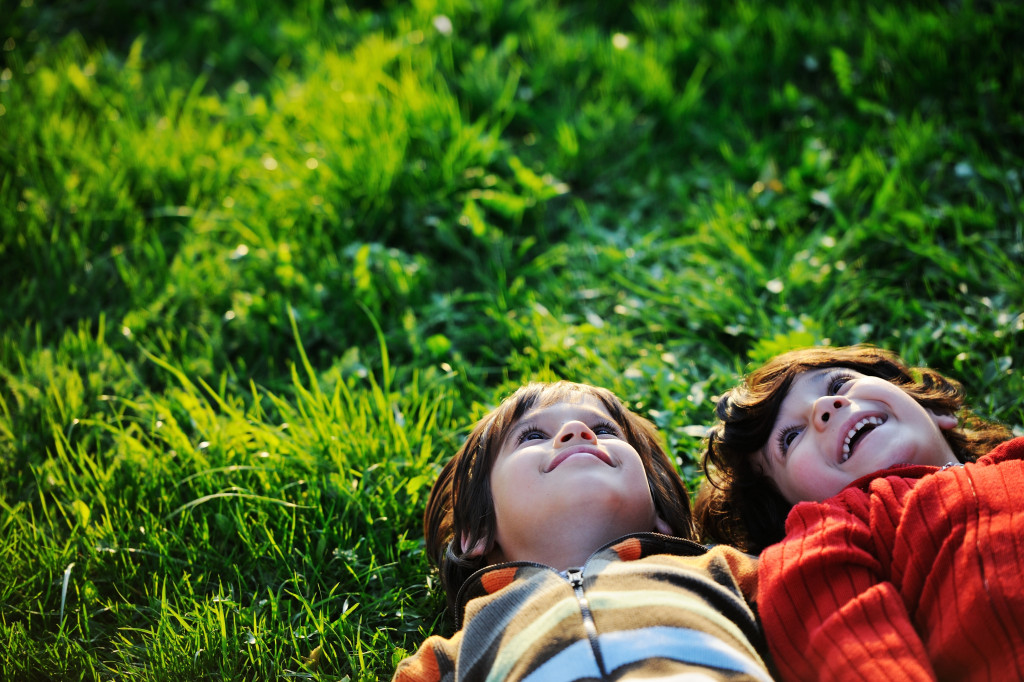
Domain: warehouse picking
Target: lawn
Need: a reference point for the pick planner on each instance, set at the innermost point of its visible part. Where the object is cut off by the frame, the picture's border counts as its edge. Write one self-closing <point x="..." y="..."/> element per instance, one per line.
<point x="263" y="265"/>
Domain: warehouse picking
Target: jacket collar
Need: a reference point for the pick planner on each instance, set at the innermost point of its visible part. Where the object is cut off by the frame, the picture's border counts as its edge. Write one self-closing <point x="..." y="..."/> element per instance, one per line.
<point x="491" y="579"/>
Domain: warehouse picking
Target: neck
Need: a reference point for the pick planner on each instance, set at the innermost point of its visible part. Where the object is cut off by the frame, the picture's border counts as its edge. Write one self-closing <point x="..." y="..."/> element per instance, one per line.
<point x="568" y="545"/>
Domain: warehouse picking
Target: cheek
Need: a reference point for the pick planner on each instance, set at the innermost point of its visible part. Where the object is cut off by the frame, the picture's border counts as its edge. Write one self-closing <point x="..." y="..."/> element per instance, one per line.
<point x="499" y="489"/>
<point x="645" y="485"/>
<point x="509" y="483"/>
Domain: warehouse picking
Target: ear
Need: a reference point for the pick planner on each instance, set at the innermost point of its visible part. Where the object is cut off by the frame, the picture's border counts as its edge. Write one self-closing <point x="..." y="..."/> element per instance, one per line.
<point x="662" y="526"/>
<point x="944" y="421"/>
<point x="479" y="548"/>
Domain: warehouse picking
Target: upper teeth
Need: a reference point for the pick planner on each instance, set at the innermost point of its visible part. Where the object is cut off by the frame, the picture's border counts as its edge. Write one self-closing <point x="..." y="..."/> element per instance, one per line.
<point x="877" y="421"/>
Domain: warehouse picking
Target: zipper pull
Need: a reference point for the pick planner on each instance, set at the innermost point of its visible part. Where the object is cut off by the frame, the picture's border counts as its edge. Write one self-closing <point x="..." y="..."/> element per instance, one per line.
<point x="575" y="576"/>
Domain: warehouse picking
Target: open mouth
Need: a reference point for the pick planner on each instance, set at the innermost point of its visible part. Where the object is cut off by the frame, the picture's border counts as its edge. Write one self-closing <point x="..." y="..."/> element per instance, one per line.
<point x="859" y="430"/>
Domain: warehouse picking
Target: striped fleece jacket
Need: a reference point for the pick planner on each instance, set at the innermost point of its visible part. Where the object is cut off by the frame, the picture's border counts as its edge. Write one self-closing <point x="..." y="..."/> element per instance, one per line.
<point x="913" y="573"/>
<point x="645" y="606"/>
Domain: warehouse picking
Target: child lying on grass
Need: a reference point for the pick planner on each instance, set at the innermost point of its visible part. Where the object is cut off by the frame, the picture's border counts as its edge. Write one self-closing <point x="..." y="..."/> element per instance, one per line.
<point x="898" y="517"/>
<point x="552" y="530"/>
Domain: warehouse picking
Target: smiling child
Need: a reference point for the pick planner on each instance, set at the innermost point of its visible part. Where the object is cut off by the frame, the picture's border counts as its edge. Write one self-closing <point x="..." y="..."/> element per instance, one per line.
<point x="563" y="535"/>
<point x="890" y="518"/>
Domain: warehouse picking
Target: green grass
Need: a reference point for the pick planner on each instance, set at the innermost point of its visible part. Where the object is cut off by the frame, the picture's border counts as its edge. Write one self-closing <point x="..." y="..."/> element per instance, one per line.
<point x="263" y="266"/>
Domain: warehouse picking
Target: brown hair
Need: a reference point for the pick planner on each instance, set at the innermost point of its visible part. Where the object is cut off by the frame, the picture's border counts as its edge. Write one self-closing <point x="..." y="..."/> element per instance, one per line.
<point x="460" y="503"/>
<point x="738" y="504"/>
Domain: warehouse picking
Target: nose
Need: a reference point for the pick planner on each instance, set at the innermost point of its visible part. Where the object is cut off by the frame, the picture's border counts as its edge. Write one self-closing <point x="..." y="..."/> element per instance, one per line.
<point x="572" y="431"/>
<point x="825" y="408"/>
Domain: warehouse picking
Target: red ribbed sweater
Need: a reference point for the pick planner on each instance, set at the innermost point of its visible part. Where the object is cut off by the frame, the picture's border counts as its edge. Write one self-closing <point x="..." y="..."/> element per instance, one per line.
<point x="912" y="573"/>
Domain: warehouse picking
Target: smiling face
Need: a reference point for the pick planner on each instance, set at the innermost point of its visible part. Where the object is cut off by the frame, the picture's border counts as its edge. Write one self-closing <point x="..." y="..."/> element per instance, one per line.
<point x="836" y="425"/>
<point x="565" y="481"/>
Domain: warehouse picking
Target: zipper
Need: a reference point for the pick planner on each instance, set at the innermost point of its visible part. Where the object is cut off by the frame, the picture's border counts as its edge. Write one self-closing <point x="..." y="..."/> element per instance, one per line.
<point x="681" y="547"/>
<point x="575" y="576"/>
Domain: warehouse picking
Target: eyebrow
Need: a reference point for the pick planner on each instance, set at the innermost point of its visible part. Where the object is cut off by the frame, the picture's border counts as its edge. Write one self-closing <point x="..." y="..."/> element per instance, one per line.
<point x="819" y="373"/>
<point x="814" y="377"/>
<point x="588" y="409"/>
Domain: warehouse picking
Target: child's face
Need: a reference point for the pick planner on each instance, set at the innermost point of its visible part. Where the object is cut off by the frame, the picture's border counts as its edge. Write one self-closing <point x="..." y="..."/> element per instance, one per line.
<point x="567" y="465"/>
<point x="836" y="425"/>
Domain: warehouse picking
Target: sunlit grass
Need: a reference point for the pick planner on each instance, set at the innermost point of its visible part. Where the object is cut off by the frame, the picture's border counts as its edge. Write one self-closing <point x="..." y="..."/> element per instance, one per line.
<point x="263" y="266"/>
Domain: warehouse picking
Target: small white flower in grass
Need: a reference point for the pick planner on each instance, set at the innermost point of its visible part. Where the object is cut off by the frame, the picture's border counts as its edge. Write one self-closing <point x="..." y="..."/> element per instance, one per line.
<point x="822" y="198"/>
<point x="775" y="286"/>
<point x="443" y="25"/>
<point x="620" y="41"/>
<point x="270" y="163"/>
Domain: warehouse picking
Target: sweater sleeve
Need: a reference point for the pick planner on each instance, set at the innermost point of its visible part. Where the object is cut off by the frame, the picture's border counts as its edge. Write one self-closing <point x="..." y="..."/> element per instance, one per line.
<point x="828" y="611"/>
<point x="430" y="662"/>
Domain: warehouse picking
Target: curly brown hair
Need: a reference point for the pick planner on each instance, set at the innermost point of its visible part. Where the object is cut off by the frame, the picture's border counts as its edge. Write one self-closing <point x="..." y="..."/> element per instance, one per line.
<point x="737" y="504"/>
<point x="460" y="510"/>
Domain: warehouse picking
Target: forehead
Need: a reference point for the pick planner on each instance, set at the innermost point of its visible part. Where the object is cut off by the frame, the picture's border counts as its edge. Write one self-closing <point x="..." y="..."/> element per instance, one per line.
<point x="815" y="381"/>
<point x="573" y="402"/>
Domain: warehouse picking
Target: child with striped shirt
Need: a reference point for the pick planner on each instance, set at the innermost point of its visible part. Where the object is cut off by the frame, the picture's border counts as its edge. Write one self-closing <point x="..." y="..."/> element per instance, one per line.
<point x="562" y="532"/>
